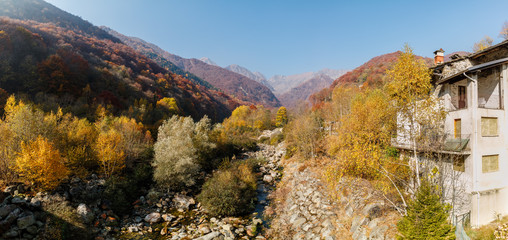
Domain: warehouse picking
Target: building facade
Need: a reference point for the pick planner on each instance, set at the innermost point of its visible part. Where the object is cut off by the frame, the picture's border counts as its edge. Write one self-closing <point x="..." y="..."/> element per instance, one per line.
<point x="473" y="92"/>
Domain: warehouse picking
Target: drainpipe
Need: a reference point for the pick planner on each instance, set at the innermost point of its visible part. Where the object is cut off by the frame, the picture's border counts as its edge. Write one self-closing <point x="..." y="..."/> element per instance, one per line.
<point x="475" y="172"/>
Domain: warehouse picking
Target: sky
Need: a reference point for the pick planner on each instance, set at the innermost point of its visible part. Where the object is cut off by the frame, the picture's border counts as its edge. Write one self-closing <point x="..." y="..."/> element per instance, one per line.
<point x="289" y="37"/>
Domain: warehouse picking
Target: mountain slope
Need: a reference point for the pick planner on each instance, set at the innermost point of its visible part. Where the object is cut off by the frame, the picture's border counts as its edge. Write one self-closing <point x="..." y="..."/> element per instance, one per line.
<point x="44" y="12"/>
<point x="152" y="51"/>
<point x="56" y="66"/>
<point x="303" y="91"/>
<point x="237" y="85"/>
<point x="371" y="73"/>
<point x="282" y="84"/>
<point x="257" y="76"/>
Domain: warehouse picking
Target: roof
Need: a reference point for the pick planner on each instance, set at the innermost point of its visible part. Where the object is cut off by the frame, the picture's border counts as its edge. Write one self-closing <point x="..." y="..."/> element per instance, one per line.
<point x="473" y="68"/>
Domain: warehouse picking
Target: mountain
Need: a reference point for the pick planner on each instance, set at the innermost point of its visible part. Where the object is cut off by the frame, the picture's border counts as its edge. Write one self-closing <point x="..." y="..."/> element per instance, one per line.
<point x="371" y="73"/>
<point x="257" y="76"/>
<point x="208" y="61"/>
<point x="303" y="91"/>
<point x="44" y="12"/>
<point x="79" y="67"/>
<point x="147" y="49"/>
<point x="282" y="84"/>
<point x="248" y="91"/>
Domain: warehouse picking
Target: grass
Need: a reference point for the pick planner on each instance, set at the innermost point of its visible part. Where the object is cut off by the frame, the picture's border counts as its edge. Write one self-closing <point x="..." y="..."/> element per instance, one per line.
<point x="485" y="232"/>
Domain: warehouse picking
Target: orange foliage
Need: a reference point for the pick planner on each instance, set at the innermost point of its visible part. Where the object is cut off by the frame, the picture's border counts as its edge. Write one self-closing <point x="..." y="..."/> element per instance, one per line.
<point x="40" y="163"/>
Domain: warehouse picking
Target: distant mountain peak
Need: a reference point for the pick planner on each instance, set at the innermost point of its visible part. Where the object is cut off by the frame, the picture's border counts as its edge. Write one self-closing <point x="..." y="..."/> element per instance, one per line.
<point x="257" y="76"/>
<point x="208" y="61"/>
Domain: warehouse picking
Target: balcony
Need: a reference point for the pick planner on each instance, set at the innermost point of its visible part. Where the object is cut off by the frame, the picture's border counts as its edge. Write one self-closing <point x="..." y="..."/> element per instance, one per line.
<point x="447" y="143"/>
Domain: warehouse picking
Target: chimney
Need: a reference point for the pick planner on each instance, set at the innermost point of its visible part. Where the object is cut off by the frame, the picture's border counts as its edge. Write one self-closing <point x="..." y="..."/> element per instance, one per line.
<point x="438" y="56"/>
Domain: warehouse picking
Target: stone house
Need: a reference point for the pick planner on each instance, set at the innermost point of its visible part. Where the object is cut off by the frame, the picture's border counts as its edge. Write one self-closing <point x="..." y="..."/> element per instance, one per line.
<point x="472" y="90"/>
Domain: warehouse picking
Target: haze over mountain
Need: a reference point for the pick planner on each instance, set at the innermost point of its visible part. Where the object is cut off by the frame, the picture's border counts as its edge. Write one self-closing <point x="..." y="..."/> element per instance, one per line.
<point x="302" y="92"/>
<point x="282" y="84"/>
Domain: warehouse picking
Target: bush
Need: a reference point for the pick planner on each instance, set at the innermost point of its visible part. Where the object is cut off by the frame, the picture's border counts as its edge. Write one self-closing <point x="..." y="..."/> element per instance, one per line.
<point x="181" y="150"/>
<point x="230" y="192"/>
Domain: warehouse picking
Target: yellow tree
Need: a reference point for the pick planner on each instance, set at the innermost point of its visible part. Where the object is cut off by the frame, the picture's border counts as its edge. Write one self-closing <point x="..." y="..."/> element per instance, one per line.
<point x="409" y="89"/>
<point x="482" y="44"/>
<point x="110" y="153"/>
<point x="40" y="163"/>
<point x="282" y="117"/>
<point x="504" y="31"/>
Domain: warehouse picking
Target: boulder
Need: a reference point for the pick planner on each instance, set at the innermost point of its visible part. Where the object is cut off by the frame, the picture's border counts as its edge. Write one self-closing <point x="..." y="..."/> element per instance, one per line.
<point x="26" y="221"/>
<point x="85" y="213"/>
<point x="153" y="217"/>
<point x="6" y="210"/>
<point x="183" y="202"/>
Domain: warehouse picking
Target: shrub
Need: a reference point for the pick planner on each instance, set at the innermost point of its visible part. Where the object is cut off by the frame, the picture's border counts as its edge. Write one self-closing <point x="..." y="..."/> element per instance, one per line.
<point x="180" y="151"/>
<point x="40" y="163"/>
<point x="230" y="192"/>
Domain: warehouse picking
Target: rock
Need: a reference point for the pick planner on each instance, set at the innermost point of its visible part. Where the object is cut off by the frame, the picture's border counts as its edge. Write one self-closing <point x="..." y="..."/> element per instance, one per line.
<point x="183" y="202"/>
<point x="132" y="229"/>
<point x="138" y="219"/>
<point x="204" y="229"/>
<point x="209" y="236"/>
<point x="167" y="218"/>
<point x="32" y="230"/>
<point x="153" y="217"/>
<point x="298" y="222"/>
<point x="18" y="200"/>
<point x="11" y="233"/>
<point x="6" y="210"/>
<point x="26" y="221"/>
<point x="267" y="178"/>
<point x="85" y="213"/>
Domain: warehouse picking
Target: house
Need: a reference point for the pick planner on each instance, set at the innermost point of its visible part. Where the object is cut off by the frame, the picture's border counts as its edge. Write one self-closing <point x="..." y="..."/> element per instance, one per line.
<point x="473" y="90"/>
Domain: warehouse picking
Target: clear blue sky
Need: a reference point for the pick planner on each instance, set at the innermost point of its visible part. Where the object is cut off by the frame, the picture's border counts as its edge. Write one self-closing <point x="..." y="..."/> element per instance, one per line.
<point x="289" y="37"/>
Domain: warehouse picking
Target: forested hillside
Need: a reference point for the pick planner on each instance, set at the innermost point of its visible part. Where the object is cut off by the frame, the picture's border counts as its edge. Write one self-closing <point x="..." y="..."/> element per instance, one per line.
<point x="234" y="84"/>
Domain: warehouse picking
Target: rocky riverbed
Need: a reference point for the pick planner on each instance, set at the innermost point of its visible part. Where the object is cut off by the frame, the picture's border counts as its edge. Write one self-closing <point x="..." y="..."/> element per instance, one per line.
<point x="154" y="216"/>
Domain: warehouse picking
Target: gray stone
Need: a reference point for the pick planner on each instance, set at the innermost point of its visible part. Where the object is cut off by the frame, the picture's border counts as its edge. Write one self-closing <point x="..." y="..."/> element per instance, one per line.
<point x="26" y="221"/>
<point x="18" y="200"/>
<point x="11" y="234"/>
<point x="298" y="222"/>
<point x="209" y="236"/>
<point x="267" y="178"/>
<point x="183" y="202"/>
<point x="32" y="229"/>
<point x="6" y="210"/>
<point x="85" y="213"/>
<point x="153" y="217"/>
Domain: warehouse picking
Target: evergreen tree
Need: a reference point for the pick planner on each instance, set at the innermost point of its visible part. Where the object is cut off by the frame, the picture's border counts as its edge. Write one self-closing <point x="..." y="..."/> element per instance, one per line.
<point x="427" y="217"/>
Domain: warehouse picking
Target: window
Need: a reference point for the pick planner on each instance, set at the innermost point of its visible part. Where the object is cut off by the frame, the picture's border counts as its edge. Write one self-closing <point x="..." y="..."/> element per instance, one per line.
<point x="459" y="164"/>
<point x="462" y="97"/>
<point x="457" y="128"/>
<point x="490" y="163"/>
<point x="489" y="127"/>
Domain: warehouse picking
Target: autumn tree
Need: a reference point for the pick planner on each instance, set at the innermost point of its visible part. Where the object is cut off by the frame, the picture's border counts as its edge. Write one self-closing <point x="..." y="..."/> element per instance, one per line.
<point x="303" y="135"/>
<point x="409" y="89"/>
<point x="482" y="44"/>
<point x="41" y="164"/>
<point x="282" y="117"/>
<point x="504" y="31"/>
<point x="110" y="152"/>
<point x="180" y="150"/>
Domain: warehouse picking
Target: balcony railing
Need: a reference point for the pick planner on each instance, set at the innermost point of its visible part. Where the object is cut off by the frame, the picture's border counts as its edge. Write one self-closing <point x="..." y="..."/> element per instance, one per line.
<point x="435" y="143"/>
